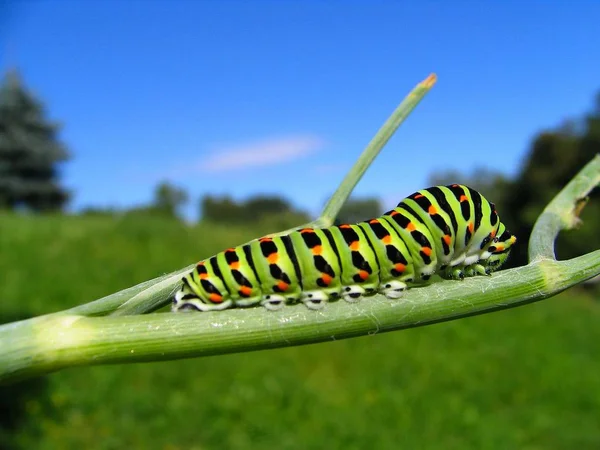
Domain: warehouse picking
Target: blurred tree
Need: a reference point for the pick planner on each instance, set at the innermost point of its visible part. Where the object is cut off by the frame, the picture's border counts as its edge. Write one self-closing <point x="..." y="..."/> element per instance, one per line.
<point x="168" y="199"/>
<point x="358" y="209"/>
<point x="263" y="205"/>
<point x="167" y="202"/>
<point x="99" y="211"/>
<point x="254" y="209"/>
<point x="29" y="151"/>
<point x="554" y="158"/>
<point x="220" y="210"/>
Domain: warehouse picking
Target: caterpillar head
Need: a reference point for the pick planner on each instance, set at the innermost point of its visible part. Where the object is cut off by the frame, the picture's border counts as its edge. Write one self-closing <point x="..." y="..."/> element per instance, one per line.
<point x="499" y="248"/>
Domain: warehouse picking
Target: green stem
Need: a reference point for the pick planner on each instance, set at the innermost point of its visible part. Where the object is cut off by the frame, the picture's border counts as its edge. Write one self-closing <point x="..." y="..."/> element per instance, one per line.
<point x="562" y="212"/>
<point x="153" y="292"/>
<point x="49" y="343"/>
<point x="42" y="345"/>
<point x="373" y="148"/>
<point x="45" y="344"/>
<point x="337" y="200"/>
<point x="151" y="295"/>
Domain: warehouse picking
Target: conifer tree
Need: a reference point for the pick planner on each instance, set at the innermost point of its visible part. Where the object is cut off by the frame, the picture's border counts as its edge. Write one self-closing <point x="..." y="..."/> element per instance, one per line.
<point x="30" y="151"/>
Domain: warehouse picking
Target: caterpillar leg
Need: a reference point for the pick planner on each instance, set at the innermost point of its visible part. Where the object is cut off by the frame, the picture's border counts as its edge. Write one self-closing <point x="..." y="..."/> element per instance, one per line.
<point x="314" y="299"/>
<point x="457" y="273"/>
<point x="461" y="271"/>
<point x="477" y="269"/>
<point x="273" y="302"/>
<point x="453" y="273"/>
<point x="354" y="293"/>
<point x="393" y="289"/>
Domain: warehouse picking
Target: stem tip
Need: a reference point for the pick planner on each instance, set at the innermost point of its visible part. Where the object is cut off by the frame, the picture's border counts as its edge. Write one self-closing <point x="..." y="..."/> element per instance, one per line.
<point x="429" y="81"/>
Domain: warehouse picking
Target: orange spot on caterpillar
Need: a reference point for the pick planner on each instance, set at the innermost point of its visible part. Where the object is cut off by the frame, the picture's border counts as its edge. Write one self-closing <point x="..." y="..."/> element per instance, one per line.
<point x="387" y="239"/>
<point x="493" y="234"/>
<point x="355" y="245"/>
<point x="344" y="226"/>
<point x="317" y="250"/>
<point x="363" y="274"/>
<point x="245" y="290"/>
<point x="230" y="250"/>
<point x="307" y="230"/>
<point x="499" y="248"/>
<point x="373" y="221"/>
<point x="215" y="298"/>
<point x="282" y="285"/>
<point x="463" y="198"/>
<point x="447" y="239"/>
<point x="393" y="213"/>
<point x="432" y="210"/>
<point x="471" y="227"/>
<point x="426" y="250"/>
<point x="326" y="279"/>
<point x="400" y="267"/>
<point x="411" y="226"/>
<point x="418" y="196"/>
<point x="265" y="239"/>
<point x="273" y="258"/>
<point x="455" y="185"/>
<point x="203" y="276"/>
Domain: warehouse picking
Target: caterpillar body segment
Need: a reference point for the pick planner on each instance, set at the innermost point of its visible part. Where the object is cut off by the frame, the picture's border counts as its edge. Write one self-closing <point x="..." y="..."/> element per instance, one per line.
<point x="452" y="231"/>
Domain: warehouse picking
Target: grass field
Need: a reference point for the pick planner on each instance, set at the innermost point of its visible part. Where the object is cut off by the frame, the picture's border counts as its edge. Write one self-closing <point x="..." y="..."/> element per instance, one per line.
<point x="527" y="378"/>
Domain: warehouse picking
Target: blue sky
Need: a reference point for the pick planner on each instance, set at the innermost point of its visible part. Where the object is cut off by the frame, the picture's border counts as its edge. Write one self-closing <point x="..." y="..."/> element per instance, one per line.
<point x="280" y="97"/>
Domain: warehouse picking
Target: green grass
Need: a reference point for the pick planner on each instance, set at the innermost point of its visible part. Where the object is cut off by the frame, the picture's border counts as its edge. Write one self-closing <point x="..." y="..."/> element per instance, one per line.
<point x="527" y="378"/>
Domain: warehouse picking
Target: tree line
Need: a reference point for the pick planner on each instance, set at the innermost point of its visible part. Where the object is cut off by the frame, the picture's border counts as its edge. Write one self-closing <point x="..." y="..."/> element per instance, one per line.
<point x="554" y="157"/>
<point x="31" y="155"/>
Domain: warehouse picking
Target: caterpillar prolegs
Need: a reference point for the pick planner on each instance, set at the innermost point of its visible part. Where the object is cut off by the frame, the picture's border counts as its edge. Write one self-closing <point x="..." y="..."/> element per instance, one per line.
<point x="452" y="231"/>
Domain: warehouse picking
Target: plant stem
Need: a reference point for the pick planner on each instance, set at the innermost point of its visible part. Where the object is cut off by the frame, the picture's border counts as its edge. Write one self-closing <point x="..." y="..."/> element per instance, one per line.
<point x="562" y="212"/>
<point x="373" y="148"/>
<point x="49" y="343"/>
<point x="52" y="342"/>
<point x="149" y="296"/>
<point x="72" y="338"/>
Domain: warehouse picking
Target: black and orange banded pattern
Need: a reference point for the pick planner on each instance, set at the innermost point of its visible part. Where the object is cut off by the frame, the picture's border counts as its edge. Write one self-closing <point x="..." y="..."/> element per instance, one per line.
<point x="449" y="230"/>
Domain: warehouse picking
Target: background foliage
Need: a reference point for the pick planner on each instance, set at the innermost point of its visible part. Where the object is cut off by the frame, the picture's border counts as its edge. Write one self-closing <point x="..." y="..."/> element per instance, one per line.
<point x="29" y="151"/>
<point x="554" y="157"/>
<point x="524" y="378"/>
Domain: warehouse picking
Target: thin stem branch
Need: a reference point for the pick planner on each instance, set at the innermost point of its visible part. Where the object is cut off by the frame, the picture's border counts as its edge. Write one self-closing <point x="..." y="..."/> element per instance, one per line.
<point x="151" y="295"/>
<point x="562" y="212"/>
<point x="50" y="343"/>
<point x="76" y="337"/>
<point x="373" y="148"/>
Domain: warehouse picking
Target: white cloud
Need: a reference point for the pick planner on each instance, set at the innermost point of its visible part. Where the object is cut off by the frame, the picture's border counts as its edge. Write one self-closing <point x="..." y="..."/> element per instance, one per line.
<point x="263" y="153"/>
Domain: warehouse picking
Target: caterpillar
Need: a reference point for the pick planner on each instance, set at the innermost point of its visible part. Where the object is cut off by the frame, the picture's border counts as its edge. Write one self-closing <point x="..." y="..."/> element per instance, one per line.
<point x="451" y="231"/>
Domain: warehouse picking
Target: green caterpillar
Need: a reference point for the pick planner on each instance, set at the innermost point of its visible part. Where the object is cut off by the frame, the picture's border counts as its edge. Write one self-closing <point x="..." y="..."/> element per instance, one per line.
<point x="449" y="230"/>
